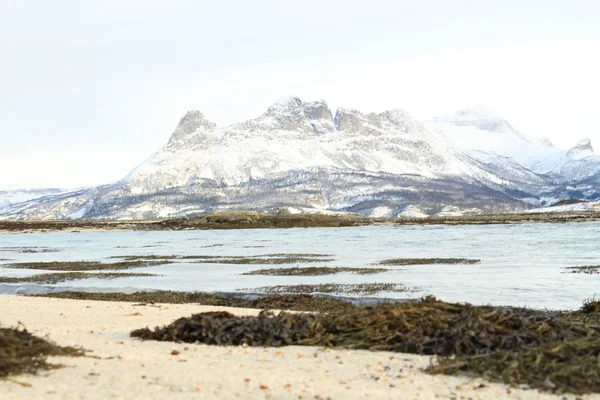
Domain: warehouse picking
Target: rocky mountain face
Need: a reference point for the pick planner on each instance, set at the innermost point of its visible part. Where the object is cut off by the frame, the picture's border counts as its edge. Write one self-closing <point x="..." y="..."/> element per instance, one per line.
<point x="301" y="156"/>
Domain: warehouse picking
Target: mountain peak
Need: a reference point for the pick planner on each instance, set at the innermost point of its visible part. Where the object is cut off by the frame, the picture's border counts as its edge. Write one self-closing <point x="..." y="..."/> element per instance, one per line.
<point x="293" y="114"/>
<point x="192" y="122"/>
<point x="582" y="149"/>
<point x="285" y="103"/>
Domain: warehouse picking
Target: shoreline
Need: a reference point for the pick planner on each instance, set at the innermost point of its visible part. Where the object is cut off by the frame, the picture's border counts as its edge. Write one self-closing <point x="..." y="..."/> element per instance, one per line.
<point x="126" y="367"/>
<point x="254" y="220"/>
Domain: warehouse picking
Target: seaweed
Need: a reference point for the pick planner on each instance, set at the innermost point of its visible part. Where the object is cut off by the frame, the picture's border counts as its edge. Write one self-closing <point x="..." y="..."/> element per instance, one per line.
<point x="22" y="352"/>
<point x="585" y="269"/>
<point x="551" y="351"/>
<point x="29" y="249"/>
<point x="428" y="261"/>
<point x="591" y="306"/>
<point x="357" y="288"/>
<point x="267" y="261"/>
<point x="54" y="278"/>
<point x="283" y="329"/>
<point x="145" y="257"/>
<point x="315" y="271"/>
<point x="81" y="266"/>
<point x="279" y="258"/>
<point x="295" y="302"/>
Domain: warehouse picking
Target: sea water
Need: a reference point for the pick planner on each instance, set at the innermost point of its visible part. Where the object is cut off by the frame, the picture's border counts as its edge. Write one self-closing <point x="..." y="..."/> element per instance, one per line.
<point x="521" y="264"/>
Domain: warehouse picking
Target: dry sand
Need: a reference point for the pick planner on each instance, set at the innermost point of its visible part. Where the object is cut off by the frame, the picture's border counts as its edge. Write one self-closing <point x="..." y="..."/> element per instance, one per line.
<point x="134" y="369"/>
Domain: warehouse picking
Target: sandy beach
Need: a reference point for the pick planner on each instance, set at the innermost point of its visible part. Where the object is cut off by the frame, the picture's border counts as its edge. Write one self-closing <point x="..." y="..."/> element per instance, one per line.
<point x="126" y="368"/>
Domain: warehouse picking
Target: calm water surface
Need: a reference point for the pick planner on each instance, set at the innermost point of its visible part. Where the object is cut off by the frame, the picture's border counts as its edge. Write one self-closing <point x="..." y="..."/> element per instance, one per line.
<point x="521" y="264"/>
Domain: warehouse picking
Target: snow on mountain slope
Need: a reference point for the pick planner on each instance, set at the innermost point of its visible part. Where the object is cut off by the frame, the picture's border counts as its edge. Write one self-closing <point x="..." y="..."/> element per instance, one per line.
<point x="577" y="164"/>
<point x="481" y="130"/>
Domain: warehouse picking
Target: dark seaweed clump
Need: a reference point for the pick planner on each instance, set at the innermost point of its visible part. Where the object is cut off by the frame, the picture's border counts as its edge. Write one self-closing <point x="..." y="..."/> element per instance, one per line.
<point x="428" y="261"/>
<point x="266" y="329"/>
<point x="589" y="309"/>
<point x="315" y="271"/>
<point x="22" y="352"/>
<point x="551" y="351"/>
<point x="586" y="269"/>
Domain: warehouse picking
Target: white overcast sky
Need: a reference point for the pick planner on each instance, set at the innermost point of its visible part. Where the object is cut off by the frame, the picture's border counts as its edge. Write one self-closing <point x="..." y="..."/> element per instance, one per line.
<point x="89" y="89"/>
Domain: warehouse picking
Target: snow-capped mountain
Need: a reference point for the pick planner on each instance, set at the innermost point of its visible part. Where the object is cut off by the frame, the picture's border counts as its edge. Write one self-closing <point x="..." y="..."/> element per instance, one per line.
<point x="292" y="135"/>
<point x="481" y="130"/>
<point x="485" y="136"/>
<point x="301" y="155"/>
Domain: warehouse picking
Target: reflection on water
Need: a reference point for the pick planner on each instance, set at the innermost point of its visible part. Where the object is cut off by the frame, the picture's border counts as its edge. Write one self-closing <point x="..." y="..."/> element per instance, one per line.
<point x="521" y="265"/>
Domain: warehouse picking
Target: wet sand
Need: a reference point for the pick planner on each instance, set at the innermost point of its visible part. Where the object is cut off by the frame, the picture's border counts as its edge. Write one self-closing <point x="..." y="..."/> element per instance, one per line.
<point x="130" y="369"/>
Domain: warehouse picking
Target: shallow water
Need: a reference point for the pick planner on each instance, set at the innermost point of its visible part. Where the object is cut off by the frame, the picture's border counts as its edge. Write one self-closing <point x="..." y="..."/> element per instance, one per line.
<point x="521" y="264"/>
